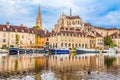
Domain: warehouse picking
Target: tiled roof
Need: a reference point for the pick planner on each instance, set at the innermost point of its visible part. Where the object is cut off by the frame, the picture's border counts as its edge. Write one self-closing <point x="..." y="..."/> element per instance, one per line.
<point x="87" y="24"/>
<point x="115" y="35"/>
<point x="73" y="17"/>
<point x="23" y="29"/>
<point x="98" y="35"/>
<point x="106" y="28"/>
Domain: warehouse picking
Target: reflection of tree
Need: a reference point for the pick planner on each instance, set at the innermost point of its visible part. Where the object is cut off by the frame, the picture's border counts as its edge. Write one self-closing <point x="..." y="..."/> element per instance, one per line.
<point x="109" y="61"/>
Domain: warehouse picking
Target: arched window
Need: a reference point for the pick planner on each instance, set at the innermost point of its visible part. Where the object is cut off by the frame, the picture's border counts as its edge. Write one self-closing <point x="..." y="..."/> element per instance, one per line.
<point x="73" y="45"/>
<point x="79" y="45"/>
<point x="65" y="44"/>
<point x="82" y="45"/>
<point x="69" y="45"/>
<point x="61" y="44"/>
<point x="76" y="45"/>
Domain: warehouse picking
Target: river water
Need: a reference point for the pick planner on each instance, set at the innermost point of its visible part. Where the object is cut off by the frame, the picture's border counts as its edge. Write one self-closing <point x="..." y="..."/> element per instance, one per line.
<point x="58" y="67"/>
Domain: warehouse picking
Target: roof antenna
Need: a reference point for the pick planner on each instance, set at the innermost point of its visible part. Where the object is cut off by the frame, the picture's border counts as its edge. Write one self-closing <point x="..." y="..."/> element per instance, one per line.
<point x="70" y="11"/>
<point x="70" y="8"/>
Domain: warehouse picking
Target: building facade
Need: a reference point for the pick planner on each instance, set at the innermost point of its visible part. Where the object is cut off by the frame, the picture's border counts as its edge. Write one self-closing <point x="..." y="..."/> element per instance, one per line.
<point x="8" y="36"/>
<point x="70" y="32"/>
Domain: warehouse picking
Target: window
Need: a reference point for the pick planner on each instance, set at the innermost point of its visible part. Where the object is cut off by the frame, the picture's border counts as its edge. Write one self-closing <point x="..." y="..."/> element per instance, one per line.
<point x="79" y="45"/>
<point x="69" y="45"/>
<point x="22" y="36"/>
<point x="65" y="44"/>
<point x="4" y="29"/>
<point x="16" y="30"/>
<point x="4" y="40"/>
<point x="22" y="30"/>
<point x="61" y="44"/>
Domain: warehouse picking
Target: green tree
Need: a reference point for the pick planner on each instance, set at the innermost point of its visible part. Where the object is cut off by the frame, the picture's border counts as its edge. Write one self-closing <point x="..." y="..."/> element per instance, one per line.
<point x="107" y="40"/>
<point x="36" y="27"/>
<point x="112" y="44"/>
<point x="17" y="39"/>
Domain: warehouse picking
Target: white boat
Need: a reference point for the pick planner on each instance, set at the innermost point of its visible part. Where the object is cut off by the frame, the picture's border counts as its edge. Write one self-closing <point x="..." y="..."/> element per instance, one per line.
<point x="82" y="51"/>
<point x="3" y="52"/>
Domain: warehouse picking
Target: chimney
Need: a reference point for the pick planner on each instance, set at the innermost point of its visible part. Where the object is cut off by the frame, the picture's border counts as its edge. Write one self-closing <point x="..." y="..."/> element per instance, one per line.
<point x="21" y="25"/>
<point x="8" y="25"/>
<point x="45" y="31"/>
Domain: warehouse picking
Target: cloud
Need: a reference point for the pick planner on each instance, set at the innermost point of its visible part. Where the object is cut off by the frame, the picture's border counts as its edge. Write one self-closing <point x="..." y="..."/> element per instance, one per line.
<point x="96" y="12"/>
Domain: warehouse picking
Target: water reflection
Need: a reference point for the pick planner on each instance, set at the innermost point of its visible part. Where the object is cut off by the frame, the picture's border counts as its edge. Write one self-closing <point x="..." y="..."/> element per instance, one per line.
<point x="57" y="67"/>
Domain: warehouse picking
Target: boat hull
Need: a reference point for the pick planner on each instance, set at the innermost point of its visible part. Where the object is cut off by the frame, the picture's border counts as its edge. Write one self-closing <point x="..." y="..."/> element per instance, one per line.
<point x="57" y="51"/>
<point x="84" y="51"/>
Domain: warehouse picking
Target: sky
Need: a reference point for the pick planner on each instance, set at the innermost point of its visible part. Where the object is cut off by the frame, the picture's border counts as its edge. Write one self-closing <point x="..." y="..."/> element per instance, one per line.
<point x="104" y="13"/>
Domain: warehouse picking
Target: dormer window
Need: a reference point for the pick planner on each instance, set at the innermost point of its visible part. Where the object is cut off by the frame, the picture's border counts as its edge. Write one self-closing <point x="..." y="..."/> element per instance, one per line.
<point x="22" y="30"/>
<point x="16" y="30"/>
<point x="4" y="29"/>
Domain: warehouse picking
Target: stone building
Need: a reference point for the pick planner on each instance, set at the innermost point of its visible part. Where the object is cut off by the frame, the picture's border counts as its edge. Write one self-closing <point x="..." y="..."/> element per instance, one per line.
<point x="70" y="32"/>
<point x="8" y="36"/>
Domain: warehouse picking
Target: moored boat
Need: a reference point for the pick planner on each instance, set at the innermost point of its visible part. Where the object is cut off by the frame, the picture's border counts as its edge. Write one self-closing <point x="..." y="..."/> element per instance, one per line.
<point x="83" y="51"/>
<point x="13" y="51"/>
<point x="60" y="51"/>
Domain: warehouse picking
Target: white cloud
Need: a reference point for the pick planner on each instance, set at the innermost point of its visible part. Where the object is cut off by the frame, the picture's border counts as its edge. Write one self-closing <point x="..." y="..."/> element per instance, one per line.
<point x="25" y="11"/>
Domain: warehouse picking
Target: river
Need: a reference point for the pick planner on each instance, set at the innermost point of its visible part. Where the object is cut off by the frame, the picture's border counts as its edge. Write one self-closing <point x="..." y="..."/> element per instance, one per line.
<point x="58" y="67"/>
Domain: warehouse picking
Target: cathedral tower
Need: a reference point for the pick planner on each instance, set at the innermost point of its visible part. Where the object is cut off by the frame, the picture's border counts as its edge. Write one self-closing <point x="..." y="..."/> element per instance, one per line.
<point x="39" y="19"/>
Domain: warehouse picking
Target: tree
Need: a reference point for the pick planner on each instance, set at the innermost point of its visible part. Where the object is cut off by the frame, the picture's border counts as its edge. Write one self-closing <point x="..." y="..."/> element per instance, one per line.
<point x="17" y="39"/>
<point x="112" y="44"/>
<point x="36" y="27"/>
<point x="107" y="40"/>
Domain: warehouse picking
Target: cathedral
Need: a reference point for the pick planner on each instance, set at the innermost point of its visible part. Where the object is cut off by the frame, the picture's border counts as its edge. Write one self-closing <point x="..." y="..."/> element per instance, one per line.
<point x="71" y="32"/>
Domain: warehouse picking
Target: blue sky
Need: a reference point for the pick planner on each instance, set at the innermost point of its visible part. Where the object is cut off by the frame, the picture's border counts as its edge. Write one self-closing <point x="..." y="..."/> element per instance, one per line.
<point x="104" y="13"/>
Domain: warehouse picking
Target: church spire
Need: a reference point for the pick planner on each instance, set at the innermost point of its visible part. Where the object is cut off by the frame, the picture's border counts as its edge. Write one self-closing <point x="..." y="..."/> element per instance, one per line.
<point x="39" y="19"/>
<point x="39" y="14"/>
